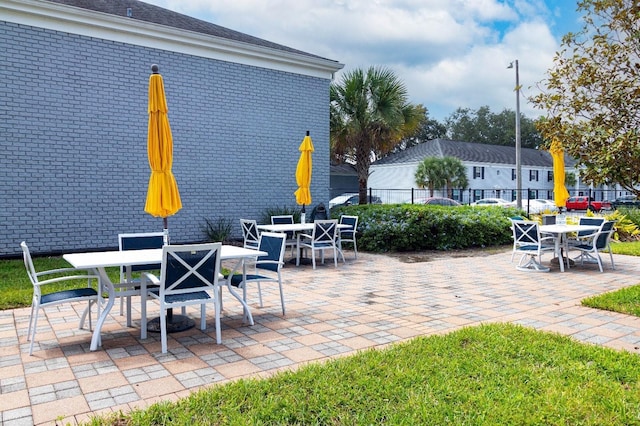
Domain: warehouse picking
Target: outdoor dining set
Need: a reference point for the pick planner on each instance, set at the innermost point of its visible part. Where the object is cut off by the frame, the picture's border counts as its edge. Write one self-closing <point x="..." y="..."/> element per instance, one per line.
<point x="183" y="275"/>
<point x="589" y="237"/>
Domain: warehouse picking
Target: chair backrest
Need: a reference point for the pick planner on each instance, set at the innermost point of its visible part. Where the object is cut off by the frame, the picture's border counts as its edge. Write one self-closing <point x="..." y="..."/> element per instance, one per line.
<point x="189" y="268"/>
<point x="586" y="220"/>
<point x="250" y="233"/>
<point x="141" y="241"/>
<point x="274" y="244"/>
<point x="28" y="264"/>
<point x="352" y="221"/>
<point x="604" y="234"/>
<point x="525" y="232"/>
<point x="325" y="230"/>
<point x="283" y="219"/>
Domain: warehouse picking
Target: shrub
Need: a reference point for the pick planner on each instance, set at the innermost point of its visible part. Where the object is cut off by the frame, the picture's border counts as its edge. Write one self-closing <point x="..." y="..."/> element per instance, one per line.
<point x="217" y="229"/>
<point x="407" y="227"/>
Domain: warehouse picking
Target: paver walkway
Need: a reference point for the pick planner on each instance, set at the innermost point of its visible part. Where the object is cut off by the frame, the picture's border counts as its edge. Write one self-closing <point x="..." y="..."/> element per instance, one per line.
<point x="369" y="302"/>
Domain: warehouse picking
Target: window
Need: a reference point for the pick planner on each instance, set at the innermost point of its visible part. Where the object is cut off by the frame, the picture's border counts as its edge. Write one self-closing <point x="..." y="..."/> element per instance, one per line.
<point x="533" y="175"/>
<point x="478" y="194"/>
<point x="478" y="172"/>
<point x="549" y="176"/>
<point x="513" y="174"/>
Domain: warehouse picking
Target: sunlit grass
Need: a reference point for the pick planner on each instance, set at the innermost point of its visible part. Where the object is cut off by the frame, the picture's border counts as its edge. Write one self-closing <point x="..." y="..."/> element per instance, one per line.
<point x="487" y="375"/>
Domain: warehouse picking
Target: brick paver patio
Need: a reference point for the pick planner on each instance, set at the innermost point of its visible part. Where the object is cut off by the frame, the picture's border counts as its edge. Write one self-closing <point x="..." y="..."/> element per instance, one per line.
<point x="369" y="302"/>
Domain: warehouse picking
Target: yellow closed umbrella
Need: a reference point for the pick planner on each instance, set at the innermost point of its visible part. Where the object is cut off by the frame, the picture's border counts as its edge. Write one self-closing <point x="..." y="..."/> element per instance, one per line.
<point x="560" y="193"/>
<point x="303" y="173"/>
<point x="163" y="198"/>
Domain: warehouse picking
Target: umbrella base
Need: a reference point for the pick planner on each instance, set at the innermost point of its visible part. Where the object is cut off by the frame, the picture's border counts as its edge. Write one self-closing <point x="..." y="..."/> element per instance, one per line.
<point x="303" y="261"/>
<point x="567" y="261"/>
<point x="175" y="323"/>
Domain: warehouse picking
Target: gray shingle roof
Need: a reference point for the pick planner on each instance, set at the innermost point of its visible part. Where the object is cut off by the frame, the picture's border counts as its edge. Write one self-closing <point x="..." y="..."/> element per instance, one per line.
<point x="150" y="13"/>
<point x="471" y="152"/>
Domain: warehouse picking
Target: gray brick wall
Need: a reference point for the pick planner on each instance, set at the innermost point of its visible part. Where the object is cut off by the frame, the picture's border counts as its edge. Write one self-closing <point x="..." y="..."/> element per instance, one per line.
<point x="73" y="124"/>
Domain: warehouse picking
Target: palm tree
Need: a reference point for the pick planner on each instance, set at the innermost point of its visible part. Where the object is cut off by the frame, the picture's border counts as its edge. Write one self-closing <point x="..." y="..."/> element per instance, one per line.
<point x="369" y="115"/>
<point x="455" y="174"/>
<point x="430" y="174"/>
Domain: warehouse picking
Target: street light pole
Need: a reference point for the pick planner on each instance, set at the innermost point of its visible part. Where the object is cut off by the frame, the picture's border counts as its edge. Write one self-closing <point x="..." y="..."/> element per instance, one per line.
<point x="518" y="143"/>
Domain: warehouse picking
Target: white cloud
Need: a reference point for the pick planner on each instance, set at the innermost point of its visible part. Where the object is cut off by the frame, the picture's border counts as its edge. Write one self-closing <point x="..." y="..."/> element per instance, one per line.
<point x="449" y="53"/>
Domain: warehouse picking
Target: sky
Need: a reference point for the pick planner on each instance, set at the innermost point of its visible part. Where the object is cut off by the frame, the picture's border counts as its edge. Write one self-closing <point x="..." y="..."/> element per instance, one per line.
<point x="450" y="54"/>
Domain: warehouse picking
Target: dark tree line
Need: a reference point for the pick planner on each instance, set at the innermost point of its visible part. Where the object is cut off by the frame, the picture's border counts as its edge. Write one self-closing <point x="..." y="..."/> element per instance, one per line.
<point x="479" y="126"/>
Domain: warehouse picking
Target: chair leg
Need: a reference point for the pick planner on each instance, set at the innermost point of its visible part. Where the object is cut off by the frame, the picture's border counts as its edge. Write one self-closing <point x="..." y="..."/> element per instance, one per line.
<point x="85" y="313"/>
<point x="203" y="316"/>
<point x="355" y="248"/>
<point x="30" y="322"/>
<point x="335" y="257"/>
<point x="163" y="328"/>
<point x="128" y="310"/>
<point x="259" y="293"/>
<point x="33" y="330"/>
<point x="217" y="315"/>
<point x="281" y="293"/>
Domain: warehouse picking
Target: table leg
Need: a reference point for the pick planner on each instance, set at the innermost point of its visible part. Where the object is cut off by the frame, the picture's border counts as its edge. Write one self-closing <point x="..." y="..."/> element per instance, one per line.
<point x="558" y="251"/>
<point x="105" y="284"/>
<point x="246" y="311"/>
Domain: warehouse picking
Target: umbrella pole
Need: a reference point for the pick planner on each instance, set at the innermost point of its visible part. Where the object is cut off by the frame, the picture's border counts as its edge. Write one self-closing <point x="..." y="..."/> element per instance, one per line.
<point x="303" y="215"/>
<point x="165" y="225"/>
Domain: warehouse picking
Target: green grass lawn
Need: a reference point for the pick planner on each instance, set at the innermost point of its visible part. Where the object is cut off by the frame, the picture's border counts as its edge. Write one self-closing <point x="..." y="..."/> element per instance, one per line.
<point x="492" y="374"/>
<point x="488" y="375"/>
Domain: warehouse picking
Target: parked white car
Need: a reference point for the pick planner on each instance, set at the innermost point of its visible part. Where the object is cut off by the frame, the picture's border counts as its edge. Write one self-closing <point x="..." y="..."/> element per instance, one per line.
<point x="348" y="199"/>
<point x="539" y="205"/>
<point x="493" y="202"/>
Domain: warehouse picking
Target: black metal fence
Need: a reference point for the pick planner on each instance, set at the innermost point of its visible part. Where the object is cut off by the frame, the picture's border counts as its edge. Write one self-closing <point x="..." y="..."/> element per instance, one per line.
<point x="468" y="196"/>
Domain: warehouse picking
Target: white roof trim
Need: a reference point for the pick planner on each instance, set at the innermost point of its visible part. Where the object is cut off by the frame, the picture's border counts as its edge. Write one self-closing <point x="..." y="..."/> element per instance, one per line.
<point x="59" y="17"/>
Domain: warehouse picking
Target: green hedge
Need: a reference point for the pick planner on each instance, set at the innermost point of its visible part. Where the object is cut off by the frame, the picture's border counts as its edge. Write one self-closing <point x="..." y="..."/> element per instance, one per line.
<point x="407" y="227"/>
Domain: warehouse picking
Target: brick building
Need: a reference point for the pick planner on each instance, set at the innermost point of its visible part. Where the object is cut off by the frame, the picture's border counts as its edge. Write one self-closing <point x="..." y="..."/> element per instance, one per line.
<point x="73" y="121"/>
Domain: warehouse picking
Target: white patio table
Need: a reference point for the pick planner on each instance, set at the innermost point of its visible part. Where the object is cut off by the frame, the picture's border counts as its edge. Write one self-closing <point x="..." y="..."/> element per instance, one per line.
<point x="297" y="227"/>
<point x="99" y="261"/>
<point x="559" y="233"/>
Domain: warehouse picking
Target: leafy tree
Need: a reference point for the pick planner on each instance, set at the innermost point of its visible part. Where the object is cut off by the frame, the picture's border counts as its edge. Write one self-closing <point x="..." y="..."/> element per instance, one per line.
<point x="430" y="174"/>
<point x="455" y="174"/>
<point x="591" y="95"/>
<point x="429" y="129"/>
<point x="369" y="115"/>
<point x="483" y="126"/>
<point x="434" y="173"/>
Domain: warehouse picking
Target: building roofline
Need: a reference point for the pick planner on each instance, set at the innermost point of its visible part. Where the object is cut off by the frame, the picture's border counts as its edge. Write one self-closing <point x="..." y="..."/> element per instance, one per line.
<point x="91" y="23"/>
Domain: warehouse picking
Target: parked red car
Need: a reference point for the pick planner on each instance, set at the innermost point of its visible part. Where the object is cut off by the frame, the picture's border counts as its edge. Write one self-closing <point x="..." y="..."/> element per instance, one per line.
<point x="587" y="203"/>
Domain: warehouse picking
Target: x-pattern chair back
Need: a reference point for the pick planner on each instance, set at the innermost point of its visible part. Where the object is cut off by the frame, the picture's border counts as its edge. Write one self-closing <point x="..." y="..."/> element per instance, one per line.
<point x="185" y="271"/>
<point x="525" y="232"/>
<point x="250" y="233"/>
<point x="324" y="231"/>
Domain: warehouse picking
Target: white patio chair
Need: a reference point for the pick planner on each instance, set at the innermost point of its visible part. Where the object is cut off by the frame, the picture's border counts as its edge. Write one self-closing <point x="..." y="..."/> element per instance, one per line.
<point x="41" y="299"/>
<point x="348" y="235"/>
<point x="324" y="237"/>
<point x="584" y="236"/>
<point x="267" y="268"/>
<point x="188" y="276"/>
<point x="590" y="248"/>
<point x="291" y="237"/>
<point x="250" y="233"/>
<point x="129" y="284"/>
<point x="528" y="242"/>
